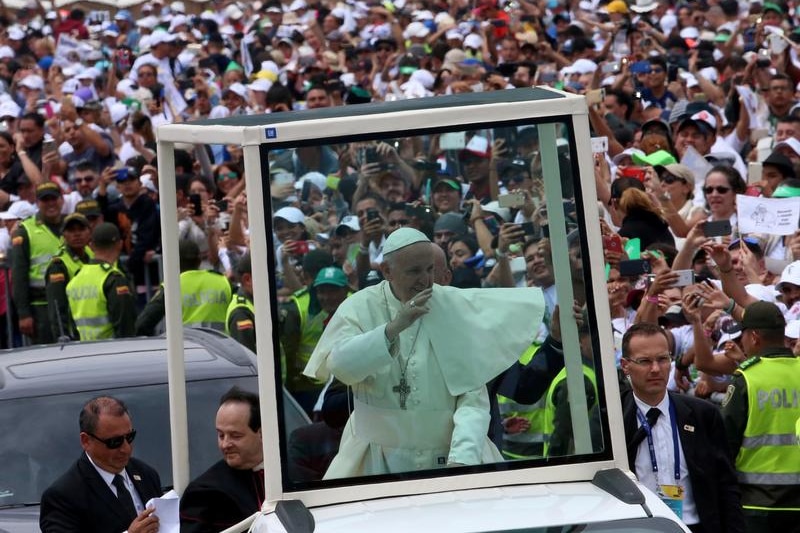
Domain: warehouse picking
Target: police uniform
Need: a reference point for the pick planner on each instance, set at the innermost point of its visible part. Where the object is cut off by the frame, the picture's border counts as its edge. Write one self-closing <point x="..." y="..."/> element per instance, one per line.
<point x="62" y="268"/>
<point x="205" y="296"/>
<point x="101" y="302"/>
<point x="34" y="243"/>
<point x="241" y="319"/>
<point x="760" y="412"/>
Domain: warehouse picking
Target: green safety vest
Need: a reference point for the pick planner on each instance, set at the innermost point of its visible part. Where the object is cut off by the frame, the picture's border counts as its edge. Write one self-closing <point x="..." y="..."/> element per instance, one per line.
<point x="237" y="302"/>
<point x="534" y="413"/>
<point x="310" y="327"/>
<point x="88" y="303"/>
<point x="550" y="408"/>
<point x="43" y="246"/>
<point x="769" y="454"/>
<point x="72" y="265"/>
<point x="205" y="296"/>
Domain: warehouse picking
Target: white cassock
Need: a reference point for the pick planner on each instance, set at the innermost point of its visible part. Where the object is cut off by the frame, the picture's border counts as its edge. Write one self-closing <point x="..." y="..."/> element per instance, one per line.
<point x="447" y="357"/>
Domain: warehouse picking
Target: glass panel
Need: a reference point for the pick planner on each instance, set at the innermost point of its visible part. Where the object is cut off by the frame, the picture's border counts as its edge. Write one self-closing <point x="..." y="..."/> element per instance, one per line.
<point x="485" y="198"/>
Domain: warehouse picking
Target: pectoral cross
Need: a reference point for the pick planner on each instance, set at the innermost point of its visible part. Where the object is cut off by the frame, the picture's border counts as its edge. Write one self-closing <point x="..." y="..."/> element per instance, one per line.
<point x="403" y="390"/>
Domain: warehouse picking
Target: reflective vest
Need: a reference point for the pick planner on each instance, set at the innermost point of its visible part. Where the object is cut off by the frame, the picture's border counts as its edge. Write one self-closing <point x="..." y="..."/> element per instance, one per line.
<point x="88" y="303"/>
<point x="205" y="296"/>
<point x="550" y="408"/>
<point x="237" y="302"/>
<point x="513" y="444"/>
<point x="310" y="326"/>
<point x="44" y="244"/>
<point x="73" y="265"/>
<point x="769" y="454"/>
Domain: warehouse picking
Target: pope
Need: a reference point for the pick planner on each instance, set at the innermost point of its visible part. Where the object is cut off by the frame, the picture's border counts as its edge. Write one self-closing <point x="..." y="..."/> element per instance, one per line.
<point x="417" y="357"/>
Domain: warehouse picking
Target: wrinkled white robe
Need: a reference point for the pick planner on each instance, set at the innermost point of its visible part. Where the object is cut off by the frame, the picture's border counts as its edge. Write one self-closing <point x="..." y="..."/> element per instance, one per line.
<point x="467" y="338"/>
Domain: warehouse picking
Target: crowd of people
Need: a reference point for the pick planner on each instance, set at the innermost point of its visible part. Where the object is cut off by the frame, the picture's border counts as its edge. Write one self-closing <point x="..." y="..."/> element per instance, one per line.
<point x="696" y="109"/>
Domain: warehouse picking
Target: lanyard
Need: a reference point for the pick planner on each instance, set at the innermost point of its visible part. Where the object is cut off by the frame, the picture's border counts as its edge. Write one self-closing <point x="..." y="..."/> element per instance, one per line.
<point x="651" y="446"/>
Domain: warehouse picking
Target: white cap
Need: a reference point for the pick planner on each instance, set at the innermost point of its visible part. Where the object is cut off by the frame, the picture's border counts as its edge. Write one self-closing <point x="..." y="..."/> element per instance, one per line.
<point x="177" y="7"/>
<point x="790" y="274"/>
<point x="291" y="214"/>
<point x="350" y="222"/>
<point x="316" y="178"/>
<point x="401" y="238"/>
<point x="473" y="40"/>
<point x="19" y="210"/>
<point x="584" y="66"/>
<point x="454" y="34"/>
<point x="628" y="152"/>
<point x="424" y="77"/>
<point x="238" y="88"/>
<point x="261" y="85"/>
<point x="706" y="117"/>
<point x="118" y="112"/>
<point x="233" y="12"/>
<point x="9" y="108"/>
<point x="6" y="52"/>
<point x="415" y="29"/>
<point x="494" y="207"/>
<point x="87" y="74"/>
<point x="32" y="81"/>
<point x="297" y="5"/>
<point x="161" y="36"/>
<point x="149" y="22"/>
<point x="15" y="33"/>
<point x="792" y="329"/>
<point x="178" y="20"/>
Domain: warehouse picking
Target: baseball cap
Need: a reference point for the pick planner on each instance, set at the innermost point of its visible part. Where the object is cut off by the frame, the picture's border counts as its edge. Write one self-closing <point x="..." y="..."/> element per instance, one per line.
<point x="478" y="146"/>
<point x="290" y="214"/>
<point x="451" y="222"/>
<point x="704" y="120"/>
<point x="46" y="190"/>
<point x="617" y="6"/>
<point x="331" y="276"/>
<point x="660" y="157"/>
<point x="349" y="222"/>
<point x="106" y="234"/>
<point x="677" y="170"/>
<point x="19" y="210"/>
<point x="781" y="162"/>
<point x="447" y="182"/>
<point x="502" y="212"/>
<point x="790" y="274"/>
<point x="88" y="208"/>
<point x="76" y="218"/>
<point x="762" y="315"/>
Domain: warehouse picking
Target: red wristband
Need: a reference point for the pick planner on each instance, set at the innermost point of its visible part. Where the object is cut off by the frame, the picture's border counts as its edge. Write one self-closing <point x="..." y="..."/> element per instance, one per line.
<point x="652" y="299"/>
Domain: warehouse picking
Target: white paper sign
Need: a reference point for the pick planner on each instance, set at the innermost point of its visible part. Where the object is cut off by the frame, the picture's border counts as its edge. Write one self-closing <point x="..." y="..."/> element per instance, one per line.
<point x="774" y="216"/>
<point x="599" y="144"/>
<point x="167" y="507"/>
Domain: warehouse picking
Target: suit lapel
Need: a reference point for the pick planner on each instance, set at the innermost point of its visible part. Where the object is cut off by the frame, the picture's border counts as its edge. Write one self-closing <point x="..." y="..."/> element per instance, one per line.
<point x="629" y="423"/>
<point x="101" y="489"/>
<point x="687" y="428"/>
<point x="138" y="482"/>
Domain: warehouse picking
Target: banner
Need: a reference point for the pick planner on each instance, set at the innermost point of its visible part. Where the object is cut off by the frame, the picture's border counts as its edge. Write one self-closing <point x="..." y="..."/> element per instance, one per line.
<point x="773" y="216"/>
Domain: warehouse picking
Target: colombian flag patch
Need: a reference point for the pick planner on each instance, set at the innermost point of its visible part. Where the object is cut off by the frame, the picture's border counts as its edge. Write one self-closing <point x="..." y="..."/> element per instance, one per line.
<point x="243" y="325"/>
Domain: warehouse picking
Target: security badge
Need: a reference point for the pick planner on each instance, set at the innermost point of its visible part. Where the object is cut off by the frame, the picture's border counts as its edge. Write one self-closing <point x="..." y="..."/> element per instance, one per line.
<point x="672" y="496"/>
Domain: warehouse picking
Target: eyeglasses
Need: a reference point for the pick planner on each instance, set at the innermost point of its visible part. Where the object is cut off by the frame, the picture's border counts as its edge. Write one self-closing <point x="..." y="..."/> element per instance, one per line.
<point x="87" y="179"/>
<point x="719" y="188"/>
<point x="227" y="176"/>
<point x="115" y="442"/>
<point x="669" y="178"/>
<point x="399" y="222"/>
<point x="656" y="70"/>
<point x="646" y="362"/>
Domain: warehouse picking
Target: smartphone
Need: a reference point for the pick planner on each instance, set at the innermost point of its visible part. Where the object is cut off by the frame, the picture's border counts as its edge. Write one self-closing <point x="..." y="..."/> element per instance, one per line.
<point x="595" y="96"/>
<point x="301" y="247"/>
<point x="49" y="146"/>
<point x="717" y="228"/>
<point x="419" y="211"/>
<point x="634" y="172"/>
<point x="611" y="68"/>
<point x="685" y="277"/>
<point x="612" y="243"/>
<point x="754" y="172"/>
<point x="121" y="173"/>
<point x="640" y="67"/>
<point x="634" y="267"/>
<point x="222" y="205"/>
<point x="371" y="155"/>
<point x="528" y="228"/>
<point x="306" y="191"/>
<point x="197" y="204"/>
<point x="492" y="225"/>
<point x="373" y="214"/>
<point x="599" y="144"/>
<point x="512" y="199"/>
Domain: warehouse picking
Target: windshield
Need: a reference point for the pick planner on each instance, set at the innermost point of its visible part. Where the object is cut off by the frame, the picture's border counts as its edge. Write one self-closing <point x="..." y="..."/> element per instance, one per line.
<point x="635" y="525"/>
<point x="428" y="390"/>
<point x="40" y="437"/>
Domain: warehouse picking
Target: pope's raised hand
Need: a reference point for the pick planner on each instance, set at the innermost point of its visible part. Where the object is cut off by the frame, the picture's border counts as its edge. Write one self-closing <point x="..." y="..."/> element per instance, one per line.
<point x="413" y="309"/>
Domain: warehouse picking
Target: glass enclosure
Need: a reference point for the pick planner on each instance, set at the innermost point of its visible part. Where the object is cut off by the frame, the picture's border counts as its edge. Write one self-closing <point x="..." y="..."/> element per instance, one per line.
<point x="547" y="407"/>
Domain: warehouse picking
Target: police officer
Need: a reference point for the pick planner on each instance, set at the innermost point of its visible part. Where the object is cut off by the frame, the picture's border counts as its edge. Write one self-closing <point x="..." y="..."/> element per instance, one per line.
<point x="301" y="324"/>
<point x="205" y="295"/>
<point x="62" y="268"/>
<point x="36" y="240"/>
<point x="760" y="412"/>
<point x="240" y="321"/>
<point x="101" y="301"/>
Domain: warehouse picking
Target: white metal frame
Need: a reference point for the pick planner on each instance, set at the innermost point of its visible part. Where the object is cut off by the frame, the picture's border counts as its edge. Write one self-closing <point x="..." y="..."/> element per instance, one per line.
<point x="250" y="138"/>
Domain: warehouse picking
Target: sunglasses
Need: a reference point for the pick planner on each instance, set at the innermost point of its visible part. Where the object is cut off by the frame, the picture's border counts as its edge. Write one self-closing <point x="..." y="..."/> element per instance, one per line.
<point x="669" y="178"/>
<point x="115" y="442"/>
<point x="719" y="188"/>
<point x="84" y="180"/>
<point x="227" y="176"/>
<point x="399" y="222"/>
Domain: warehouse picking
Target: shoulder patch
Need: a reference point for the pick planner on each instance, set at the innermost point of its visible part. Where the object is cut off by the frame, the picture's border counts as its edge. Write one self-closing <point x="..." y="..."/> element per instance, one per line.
<point x="123" y="290"/>
<point x="749" y="362"/>
<point x="17" y="241"/>
<point x="728" y="395"/>
<point x="243" y="325"/>
<point x="56" y="278"/>
<point x="105" y="266"/>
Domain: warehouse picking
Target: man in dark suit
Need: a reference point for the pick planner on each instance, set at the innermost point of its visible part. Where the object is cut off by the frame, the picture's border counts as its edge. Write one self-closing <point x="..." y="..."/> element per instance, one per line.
<point x="232" y="489"/>
<point x="701" y="486"/>
<point x="105" y="491"/>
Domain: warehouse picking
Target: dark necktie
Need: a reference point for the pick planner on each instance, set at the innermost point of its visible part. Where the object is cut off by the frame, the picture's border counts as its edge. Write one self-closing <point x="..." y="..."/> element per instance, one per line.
<point x="638" y="437"/>
<point x="124" y="496"/>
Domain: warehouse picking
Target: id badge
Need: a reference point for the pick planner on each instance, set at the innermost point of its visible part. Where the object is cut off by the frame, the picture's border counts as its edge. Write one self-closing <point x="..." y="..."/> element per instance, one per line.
<point x="672" y="496"/>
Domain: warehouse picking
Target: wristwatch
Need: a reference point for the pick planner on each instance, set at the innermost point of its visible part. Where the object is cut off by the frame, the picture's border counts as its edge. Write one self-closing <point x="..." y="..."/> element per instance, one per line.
<point x="78" y="122"/>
